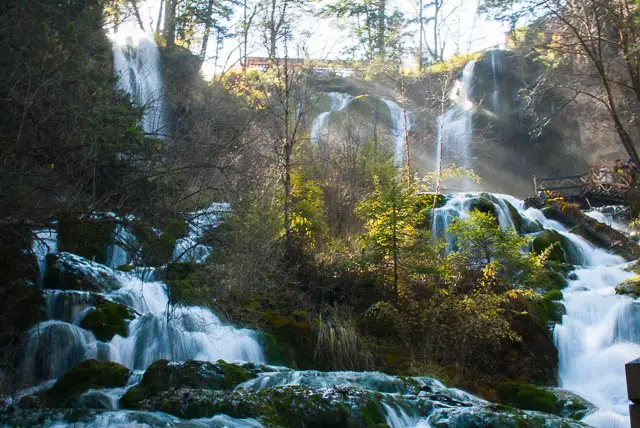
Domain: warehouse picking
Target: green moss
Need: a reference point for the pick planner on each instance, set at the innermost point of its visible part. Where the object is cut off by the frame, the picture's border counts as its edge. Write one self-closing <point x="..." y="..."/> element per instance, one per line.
<point x="107" y="320"/>
<point x="484" y="205"/>
<point x="372" y="413"/>
<point x="163" y="375"/>
<point x="629" y="287"/>
<point x="126" y="268"/>
<point x="89" y="374"/>
<point x="547" y="239"/>
<point x="553" y="295"/>
<point x="516" y="218"/>
<point x="89" y="239"/>
<point x="529" y="397"/>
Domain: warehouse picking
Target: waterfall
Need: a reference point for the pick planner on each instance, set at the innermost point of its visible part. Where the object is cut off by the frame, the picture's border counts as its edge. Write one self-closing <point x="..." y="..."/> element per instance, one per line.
<point x="320" y="126"/>
<point x="457" y="122"/>
<point x="44" y="241"/>
<point x="137" y="65"/>
<point x="495" y="102"/>
<point x="600" y="331"/>
<point x="398" y="131"/>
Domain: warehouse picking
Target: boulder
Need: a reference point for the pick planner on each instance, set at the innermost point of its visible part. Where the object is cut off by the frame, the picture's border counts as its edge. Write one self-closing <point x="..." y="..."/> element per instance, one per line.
<point x="88" y="374"/>
<point x="529" y="397"/>
<point x="107" y="320"/>
<point x="573" y="405"/>
<point x="164" y="375"/>
<point x="66" y="271"/>
<point x="629" y="287"/>
<point x="560" y="250"/>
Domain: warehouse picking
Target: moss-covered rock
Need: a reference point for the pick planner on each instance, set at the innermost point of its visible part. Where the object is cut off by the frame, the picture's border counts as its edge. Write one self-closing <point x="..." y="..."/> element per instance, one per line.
<point x="529" y="397"/>
<point x="66" y="271"/>
<point x="484" y="205"/>
<point x="89" y="374"/>
<point x="88" y="238"/>
<point x="573" y="405"/>
<point x="598" y="233"/>
<point x="164" y="375"/>
<point x="629" y="287"/>
<point x="550" y="238"/>
<point x="551" y="280"/>
<point x="107" y="320"/>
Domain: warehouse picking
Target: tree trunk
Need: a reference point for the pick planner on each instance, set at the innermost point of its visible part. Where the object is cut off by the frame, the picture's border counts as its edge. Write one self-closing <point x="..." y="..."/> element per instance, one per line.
<point x="421" y="36"/>
<point x="170" y="21"/>
<point x="136" y="12"/>
<point x="406" y="129"/>
<point x="382" y="5"/>
<point x="207" y="31"/>
<point x="159" y="17"/>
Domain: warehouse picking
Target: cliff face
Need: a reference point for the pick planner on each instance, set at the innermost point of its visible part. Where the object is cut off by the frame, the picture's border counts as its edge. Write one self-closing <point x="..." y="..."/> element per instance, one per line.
<point x="520" y="130"/>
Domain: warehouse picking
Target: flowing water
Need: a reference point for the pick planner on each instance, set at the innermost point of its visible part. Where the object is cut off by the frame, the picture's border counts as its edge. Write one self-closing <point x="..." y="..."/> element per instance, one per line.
<point x="137" y="65"/>
<point x="495" y="101"/>
<point x="600" y="331"/>
<point x="398" y="130"/>
<point x="320" y="126"/>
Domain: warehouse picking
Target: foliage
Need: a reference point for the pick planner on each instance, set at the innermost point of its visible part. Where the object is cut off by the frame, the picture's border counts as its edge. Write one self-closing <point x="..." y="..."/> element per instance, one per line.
<point x="307" y="216"/>
<point x="499" y="254"/>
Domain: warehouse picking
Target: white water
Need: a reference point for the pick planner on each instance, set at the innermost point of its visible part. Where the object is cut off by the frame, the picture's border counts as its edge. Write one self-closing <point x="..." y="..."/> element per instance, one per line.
<point x="137" y="65"/>
<point x="600" y="331"/>
<point x="320" y="125"/>
<point x="190" y="248"/>
<point x="398" y="130"/>
<point x="457" y="122"/>
<point x="495" y="102"/>
<point x="160" y="331"/>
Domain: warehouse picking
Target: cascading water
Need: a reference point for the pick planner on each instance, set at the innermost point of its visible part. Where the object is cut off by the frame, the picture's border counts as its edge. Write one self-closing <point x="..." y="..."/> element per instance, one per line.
<point x="456" y="125"/>
<point x="495" y="102"/>
<point x="398" y="130"/>
<point x="137" y="65"/>
<point x="600" y="331"/>
<point x="320" y="126"/>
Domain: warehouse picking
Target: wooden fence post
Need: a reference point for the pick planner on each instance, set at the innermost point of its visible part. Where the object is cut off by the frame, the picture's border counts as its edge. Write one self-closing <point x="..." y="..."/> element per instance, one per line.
<point x="632" y="370"/>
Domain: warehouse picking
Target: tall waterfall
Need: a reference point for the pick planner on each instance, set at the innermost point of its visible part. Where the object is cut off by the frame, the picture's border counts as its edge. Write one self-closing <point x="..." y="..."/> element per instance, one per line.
<point x="495" y="102"/>
<point x="600" y="331"/>
<point x="137" y="65"/>
<point x="320" y="125"/>
<point x="398" y="130"/>
<point x="457" y="123"/>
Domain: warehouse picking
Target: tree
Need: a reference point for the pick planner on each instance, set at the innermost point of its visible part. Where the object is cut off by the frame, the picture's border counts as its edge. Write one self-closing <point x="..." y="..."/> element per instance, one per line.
<point x="377" y="30"/>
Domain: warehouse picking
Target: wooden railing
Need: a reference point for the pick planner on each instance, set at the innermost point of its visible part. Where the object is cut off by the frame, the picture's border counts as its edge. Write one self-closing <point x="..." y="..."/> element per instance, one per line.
<point x="598" y="182"/>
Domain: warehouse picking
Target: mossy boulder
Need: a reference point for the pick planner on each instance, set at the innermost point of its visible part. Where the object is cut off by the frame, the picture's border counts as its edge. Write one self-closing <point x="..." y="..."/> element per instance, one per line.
<point x="164" y="375"/>
<point x="88" y="238"/>
<point x="66" y="271"/>
<point x="629" y="287"/>
<point x="282" y="406"/>
<point x="573" y="405"/>
<point x="559" y="246"/>
<point x="529" y="397"/>
<point x="550" y="280"/>
<point x="368" y="107"/>
<point x="89" y="374"/>
<point x="484" y="205"/>
<point x="107" y="320"/>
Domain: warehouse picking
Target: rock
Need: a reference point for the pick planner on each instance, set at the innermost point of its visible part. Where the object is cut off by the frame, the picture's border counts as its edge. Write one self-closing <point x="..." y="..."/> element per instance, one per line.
<point x="484" y="205"/>
<point x="88" y="238"/>
<point x="164" y="375"/>
<point x="67" y="271"/>
<point x="598" y="233"/>
<point x="529" y="397"/>
<point x="560" y="251"/>
<point x="88" y="374"/>
<point x="95" y="399"/>
<point x="573" y="405"/>
<point x="629" y="287"/>
<point x="107" y="320"/>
